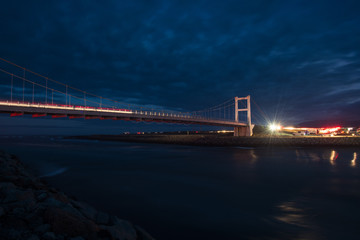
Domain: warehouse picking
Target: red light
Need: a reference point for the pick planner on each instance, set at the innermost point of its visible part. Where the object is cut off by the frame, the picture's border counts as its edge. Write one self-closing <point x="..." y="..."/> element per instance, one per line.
<point x="328" y="130"/>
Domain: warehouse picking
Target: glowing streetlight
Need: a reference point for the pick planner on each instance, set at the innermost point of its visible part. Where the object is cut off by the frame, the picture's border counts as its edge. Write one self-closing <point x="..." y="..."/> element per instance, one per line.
<point x="274" y="127"/>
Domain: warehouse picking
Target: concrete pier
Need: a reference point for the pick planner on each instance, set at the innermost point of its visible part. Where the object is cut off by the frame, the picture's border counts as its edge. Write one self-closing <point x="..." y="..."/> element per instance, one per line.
<point x="243" y="131"/>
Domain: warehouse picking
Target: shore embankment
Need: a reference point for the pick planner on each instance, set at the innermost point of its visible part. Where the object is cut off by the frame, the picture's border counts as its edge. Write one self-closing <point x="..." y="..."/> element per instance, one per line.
<point x="30" y="209"/>
<point x="223" y="140"/>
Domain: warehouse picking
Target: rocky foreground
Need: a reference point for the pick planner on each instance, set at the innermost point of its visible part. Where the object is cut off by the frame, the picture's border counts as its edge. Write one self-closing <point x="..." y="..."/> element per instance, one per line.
<point x="31" y="210"/>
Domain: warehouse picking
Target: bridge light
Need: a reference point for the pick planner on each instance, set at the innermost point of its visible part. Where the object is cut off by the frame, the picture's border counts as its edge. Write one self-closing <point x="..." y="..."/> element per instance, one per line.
<point x="274" y="127"/>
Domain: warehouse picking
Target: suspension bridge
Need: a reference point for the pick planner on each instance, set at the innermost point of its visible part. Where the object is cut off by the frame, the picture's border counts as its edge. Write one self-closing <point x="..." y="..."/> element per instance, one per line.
<point x="23" y="91"/>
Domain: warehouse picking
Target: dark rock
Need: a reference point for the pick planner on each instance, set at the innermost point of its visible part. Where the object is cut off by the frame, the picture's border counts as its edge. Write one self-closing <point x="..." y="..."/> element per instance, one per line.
<point x="14" y="234"/>
<point x="65" y="222"/>
<point x="42" y="228"/>
<point x="18" y="211"/>
<point x="49" y="236"/>
<point x="52" y="202"/>
<point x="77" y="238"/>
<point x="85" y="209"/>
<point x="127" y="226"/>
<point x="142" y="234"/>
<point x="102" y="218"/>
<point x="119" y="233"/>
<point x="60" y="197"/>
<point x="121" y="229"/>
<point x="6" y="191"/>
<point x="104" y="234"/>
<point x="6" y="178"/>
<point x="31" y="210"/>
<point x="33" y="237"/>
<point x="60" y="237"/>
<point x="42" y="196"/>
<point x="2" y="211"/>
<point x="16" y="195"/>
<point x="12" y="221"/>
<point x="34" y="218"/>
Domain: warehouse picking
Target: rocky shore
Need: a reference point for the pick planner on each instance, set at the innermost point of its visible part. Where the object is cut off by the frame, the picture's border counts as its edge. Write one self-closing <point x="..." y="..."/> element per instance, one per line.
<point x="220" y="140"/>
<point x="31" y="210"/>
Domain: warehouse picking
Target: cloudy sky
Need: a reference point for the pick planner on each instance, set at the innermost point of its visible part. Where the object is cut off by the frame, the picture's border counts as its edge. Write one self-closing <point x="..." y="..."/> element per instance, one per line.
<point x="299" y="60"/>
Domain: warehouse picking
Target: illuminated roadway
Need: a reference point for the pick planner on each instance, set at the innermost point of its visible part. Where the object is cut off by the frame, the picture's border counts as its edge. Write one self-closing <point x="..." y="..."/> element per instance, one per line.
<point x="87" y="112"/>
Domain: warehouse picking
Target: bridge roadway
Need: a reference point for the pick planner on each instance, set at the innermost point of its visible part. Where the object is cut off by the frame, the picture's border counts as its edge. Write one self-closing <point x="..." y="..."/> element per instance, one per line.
<point x="56" y="110"/>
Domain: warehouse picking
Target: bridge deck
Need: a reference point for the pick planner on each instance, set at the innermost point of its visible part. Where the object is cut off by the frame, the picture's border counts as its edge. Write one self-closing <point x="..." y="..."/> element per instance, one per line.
<point x="54" y="110"/>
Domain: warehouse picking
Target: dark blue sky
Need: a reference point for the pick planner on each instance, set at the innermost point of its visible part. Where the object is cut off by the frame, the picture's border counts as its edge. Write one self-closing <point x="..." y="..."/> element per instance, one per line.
<point x="299" y="60"/>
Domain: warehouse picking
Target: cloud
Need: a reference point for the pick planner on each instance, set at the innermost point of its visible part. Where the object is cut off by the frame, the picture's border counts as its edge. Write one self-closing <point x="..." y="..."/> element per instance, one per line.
<point x="191" y="55"/>
<point x="345" y="88"/>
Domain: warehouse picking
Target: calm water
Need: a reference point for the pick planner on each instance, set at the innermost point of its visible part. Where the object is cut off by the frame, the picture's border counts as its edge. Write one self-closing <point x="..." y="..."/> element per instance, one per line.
<point x="183" y="192"/>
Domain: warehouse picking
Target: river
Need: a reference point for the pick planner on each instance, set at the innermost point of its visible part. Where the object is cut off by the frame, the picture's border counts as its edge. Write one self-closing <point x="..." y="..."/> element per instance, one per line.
<point x="184" y="192"/>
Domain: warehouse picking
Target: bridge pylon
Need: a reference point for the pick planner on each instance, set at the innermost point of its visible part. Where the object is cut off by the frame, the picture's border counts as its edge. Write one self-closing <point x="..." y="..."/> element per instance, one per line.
<point x="246" y="130"/>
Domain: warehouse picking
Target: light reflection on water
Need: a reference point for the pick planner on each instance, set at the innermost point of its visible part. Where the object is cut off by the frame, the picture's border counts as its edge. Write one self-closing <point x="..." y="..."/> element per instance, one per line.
<point x="353" y="161"/>
<point x="334" y="157"/>
<point x="291" y="214"/>
<point x="246" y="157"/>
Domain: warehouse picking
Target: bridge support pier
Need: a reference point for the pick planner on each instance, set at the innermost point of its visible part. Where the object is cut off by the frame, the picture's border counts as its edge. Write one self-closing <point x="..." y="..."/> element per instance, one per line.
<point x="243" y="131"/>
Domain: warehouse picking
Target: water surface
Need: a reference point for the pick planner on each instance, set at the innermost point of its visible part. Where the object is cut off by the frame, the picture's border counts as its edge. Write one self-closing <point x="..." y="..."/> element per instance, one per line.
<point x="184" y="192"/>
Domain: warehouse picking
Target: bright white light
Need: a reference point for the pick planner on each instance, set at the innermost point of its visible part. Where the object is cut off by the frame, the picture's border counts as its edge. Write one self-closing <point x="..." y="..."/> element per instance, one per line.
<point x="274" y="127"/>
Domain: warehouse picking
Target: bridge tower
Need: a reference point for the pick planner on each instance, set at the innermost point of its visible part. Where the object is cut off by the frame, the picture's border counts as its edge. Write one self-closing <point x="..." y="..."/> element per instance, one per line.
<point x="243" y="131"/>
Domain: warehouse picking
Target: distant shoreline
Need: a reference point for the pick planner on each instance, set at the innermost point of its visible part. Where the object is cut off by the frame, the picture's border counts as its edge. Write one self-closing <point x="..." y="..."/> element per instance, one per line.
<point x="223" y="140"/>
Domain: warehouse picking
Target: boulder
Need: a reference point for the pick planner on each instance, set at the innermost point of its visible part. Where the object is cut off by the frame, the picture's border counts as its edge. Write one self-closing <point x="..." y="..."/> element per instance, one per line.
<point x="85" y="209"/>
<point x="66" y="222"/>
